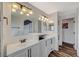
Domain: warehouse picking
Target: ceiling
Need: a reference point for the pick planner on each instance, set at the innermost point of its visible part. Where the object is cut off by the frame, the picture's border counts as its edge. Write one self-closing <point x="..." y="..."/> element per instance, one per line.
<point x="50" y="7"/>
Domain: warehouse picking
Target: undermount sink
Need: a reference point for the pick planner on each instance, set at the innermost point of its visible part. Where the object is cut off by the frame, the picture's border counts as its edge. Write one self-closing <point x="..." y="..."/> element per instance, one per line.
<point x="41" y="37"/>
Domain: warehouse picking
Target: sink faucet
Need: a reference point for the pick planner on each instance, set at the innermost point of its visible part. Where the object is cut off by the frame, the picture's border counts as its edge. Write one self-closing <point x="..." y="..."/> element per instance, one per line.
<point x="23" y="40"/>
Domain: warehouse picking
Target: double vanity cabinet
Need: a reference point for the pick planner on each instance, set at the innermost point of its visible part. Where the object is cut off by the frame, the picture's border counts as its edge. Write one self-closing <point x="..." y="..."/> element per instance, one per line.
<point x="40" y="49"/>
<point x="32" y="51"/>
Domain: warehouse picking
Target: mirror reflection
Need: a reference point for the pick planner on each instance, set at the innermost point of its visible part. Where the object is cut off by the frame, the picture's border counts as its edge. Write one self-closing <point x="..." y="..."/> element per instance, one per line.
<point x="20" y="24"/>
<point x="51" y="27"/>
<point x="25" y="20"/>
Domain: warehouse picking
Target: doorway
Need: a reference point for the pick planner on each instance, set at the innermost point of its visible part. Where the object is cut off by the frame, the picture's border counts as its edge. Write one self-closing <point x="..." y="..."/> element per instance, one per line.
<point x="68" y="31"/>
<point x="67" y="38"/>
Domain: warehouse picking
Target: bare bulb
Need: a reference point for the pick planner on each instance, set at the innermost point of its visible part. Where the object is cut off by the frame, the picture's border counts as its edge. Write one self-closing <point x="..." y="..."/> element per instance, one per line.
<point x="13" y="10"/>
<point x="27" y="14"/>
<point x="15" y="6"/>
<point x="30" y="12"/>
<point x="23" y="9"/>
<point x="42" y="17"/>
<point x="47" y="19"/>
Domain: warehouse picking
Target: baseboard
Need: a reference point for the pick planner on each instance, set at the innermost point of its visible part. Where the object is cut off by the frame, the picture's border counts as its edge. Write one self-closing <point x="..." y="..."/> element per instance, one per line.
<point x="68" y="43"/>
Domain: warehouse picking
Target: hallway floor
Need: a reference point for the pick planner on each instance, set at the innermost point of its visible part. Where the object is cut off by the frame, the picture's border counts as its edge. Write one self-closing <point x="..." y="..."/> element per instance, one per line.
<point x="66" y="50"/>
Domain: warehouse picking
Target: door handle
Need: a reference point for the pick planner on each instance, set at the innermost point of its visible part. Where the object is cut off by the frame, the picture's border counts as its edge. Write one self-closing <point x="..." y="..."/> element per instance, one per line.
<point x="51" y="41"/>
<point x="30" y="52"/>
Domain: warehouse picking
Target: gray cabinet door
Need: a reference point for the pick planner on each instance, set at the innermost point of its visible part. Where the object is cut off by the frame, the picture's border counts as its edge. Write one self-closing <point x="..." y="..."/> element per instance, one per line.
<point x="43" y="49"/>
<point x="52" y="44"/>
<point x="48" y="46"/>
<point x="35" y="51"/>
<point x="21" y="53"/>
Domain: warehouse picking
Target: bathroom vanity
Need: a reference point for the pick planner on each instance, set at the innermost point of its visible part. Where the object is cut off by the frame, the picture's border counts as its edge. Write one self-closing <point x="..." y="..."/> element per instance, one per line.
<point x="32" y="48"/>
<point x="27" y="36"/>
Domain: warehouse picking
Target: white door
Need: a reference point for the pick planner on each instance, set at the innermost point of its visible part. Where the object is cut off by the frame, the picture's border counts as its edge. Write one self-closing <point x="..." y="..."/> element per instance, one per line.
<point x="69" y="32"/>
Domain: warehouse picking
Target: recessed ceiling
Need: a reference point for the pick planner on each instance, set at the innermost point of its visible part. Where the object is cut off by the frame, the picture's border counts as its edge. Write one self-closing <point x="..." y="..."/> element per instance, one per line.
<point x="50" y="7"/>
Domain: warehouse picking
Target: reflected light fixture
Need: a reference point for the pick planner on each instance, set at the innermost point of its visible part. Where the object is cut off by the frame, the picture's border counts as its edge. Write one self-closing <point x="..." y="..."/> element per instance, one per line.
<point x="27" y="14"/>
<point x="43" y="18"/>
<point x="30" y="12"/>
<point x="21" y="12"/>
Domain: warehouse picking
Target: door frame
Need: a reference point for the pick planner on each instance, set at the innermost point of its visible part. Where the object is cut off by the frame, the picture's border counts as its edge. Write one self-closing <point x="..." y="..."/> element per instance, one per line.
<point x="61" y="36"/>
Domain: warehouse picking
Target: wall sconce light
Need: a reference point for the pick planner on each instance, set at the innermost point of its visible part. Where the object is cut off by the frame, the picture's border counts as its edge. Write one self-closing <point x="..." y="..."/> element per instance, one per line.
<point x="5" y="18"/>
<point x="43" y="18"/>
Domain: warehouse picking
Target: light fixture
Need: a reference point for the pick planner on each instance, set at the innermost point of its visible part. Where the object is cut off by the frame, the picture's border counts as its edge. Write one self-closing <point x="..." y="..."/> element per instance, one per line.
<point x="15" y="6"/>
<point x="43" y="18"/>
<point x="47" y="19"/>
<point x="21" y="9"/>
<point x="6" y="19"/>
<point x="24" y="9"/>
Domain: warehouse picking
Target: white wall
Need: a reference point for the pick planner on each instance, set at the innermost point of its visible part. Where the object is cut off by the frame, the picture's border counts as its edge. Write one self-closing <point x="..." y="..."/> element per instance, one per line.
<point x="78" y="31"/>
<point x="54" y="17"/>
<point x="5" y="28"/>
<point x="0" y="27"/>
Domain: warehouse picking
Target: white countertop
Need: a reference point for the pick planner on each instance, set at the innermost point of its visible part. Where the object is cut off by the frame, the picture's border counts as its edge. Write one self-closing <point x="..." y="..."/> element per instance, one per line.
<point x="11" y="48"/>
<point x="19" y="46"/>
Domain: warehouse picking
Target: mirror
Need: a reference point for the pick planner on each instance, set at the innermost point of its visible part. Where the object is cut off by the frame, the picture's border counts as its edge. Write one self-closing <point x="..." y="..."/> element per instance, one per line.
<point x="44" y="26"/>
<point x="22" y="22"/>
<point x="39" y="26"/>
<point x="19" y="23"/>
<point x="51" y="27"/>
